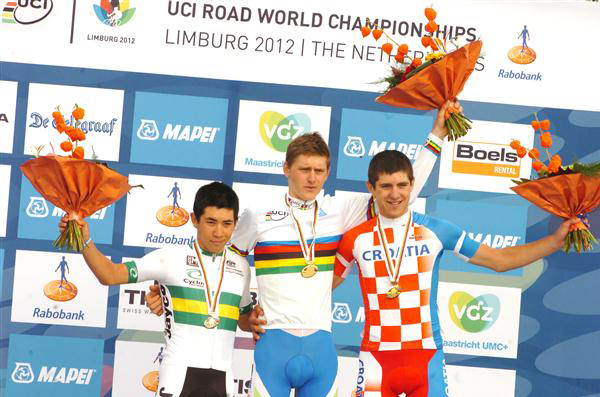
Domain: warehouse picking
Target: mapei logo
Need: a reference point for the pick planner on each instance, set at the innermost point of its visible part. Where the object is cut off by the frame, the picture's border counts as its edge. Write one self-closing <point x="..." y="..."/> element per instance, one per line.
<point x="114" y="12"/>
<point x="355" y="147"/>
<point x="26" y="12"/>
<point x="149" y="131"/>
<point x="495" y="240"/>
<point x="473" y="314"/>
<point x="341" y="313"/>
<point x="277" y="131"/>
<point x="23" y="373"/>
<point x="38" y="208"/>
<point x="489" y="159"/>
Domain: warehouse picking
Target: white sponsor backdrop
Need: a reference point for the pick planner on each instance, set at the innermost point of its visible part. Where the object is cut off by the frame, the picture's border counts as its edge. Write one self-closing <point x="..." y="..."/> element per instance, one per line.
<point x="5" y="183"/>
<point x="30" y="303"/>
<point x="476" y="382"/>
<point x="102" y="123"/>
<point x="141" y="225"/>
<point x="8" y="106"/>
<point x="253" y="153"/>
<point x="132" y="311"/>
<point x="133" y="360"/>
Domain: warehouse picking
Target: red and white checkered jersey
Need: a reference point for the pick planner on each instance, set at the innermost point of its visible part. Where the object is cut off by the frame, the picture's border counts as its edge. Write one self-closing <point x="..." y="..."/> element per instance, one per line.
<point x="409" y="321"/>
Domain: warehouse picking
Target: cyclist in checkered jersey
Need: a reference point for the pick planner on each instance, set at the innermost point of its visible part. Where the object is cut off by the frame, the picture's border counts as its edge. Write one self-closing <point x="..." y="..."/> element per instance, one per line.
<point x="401" y="350"/>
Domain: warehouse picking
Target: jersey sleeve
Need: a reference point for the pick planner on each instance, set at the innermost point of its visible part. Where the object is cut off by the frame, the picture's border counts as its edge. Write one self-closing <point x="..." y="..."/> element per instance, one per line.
<point x="454" y="238"/>
<point x="424" y="163"/>
<point x="246" y="301"/>
<point x="152" y="266"/>
<point x="344" y="257"/>
<point x="354" y="210"/>
<point x="245" y="234"/>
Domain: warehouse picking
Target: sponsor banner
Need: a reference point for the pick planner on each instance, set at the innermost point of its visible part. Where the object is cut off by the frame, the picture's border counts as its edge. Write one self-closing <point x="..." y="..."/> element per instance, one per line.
<point x="38" y="218"/>
<point x="105" y="24"/>
<point x="483" y="159"/>
<point x="243" y="367"/>
<point x="179" y="130"/>
<point x="1" y="268"/>
<point x="270" y="195"/>
<point x="418" y="205"/>
<point x="479" y="320"/>
<point x="497" y="226"/>
<point x="132" y="312"/>
<point x="265" y="129"/>
<point x="101" y="124"/>
<point x="5" y="178"/>
<point x="348" y="312"/>
<point x="53" y="366"/>
<point x="160" y="214"/>
<point x="348" y="376"/>
<point x="364" y="133"/>
<point x="137" y="377"/>
<point x="8" y="106"/>
<point x="63" y="291"/>
<point x="474" y="381"/>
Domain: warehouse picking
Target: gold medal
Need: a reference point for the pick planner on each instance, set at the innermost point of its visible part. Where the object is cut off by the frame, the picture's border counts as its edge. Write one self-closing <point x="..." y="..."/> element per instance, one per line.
<point x="309" y="270"/>
<point x="393" y="292"/>
<point x="211" y="322"/>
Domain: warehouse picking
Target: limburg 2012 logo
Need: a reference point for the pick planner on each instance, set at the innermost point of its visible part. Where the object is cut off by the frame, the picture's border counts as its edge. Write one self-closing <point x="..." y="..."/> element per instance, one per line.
<point x="114" y="12"/>
<point x="473" y="314"/>
<point x="277" y="130"/>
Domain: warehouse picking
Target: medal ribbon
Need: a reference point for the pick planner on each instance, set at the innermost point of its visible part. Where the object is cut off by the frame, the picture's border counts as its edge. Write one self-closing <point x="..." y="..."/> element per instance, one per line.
<point x="212" y="305"/>
<point x="307" y="252"/>
<point x="393" y="266"/>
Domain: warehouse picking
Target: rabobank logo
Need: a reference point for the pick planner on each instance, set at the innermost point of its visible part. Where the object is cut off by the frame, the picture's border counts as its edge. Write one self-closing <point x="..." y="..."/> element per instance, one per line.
<point x="114" y="12"/>
<point x="277" y="130"/>
<point x="473" y="314"/>
<point x="26" y="12"/>
<point x="522" y="54"/>
<point x="341" y="313"/>
<point x="489" y="159"/>
<point x="61" y="290"/>
<point x="173" y="215"/>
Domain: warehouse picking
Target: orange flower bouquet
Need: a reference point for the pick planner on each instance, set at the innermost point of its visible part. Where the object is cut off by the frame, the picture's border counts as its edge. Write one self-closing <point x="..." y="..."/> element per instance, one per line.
<point x="565" y="191"/>
<point x="428" y="85"/>
<point x="75" y="185"/>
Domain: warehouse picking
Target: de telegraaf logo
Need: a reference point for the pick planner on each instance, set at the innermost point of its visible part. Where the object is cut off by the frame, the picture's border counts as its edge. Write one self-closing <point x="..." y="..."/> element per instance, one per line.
<point x="114" y="12"/>
<point x="354" y="147"/>
<point x="149" y="131"/>
<point x="277" y="130"/>
<point x="341" y="313"/>
<point x="26" y="12"/>
<point x="473" y="314"/>
<point x="23" y="373"/>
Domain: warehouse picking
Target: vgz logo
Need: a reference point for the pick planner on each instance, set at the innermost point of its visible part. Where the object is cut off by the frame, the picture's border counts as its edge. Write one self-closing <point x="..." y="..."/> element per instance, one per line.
<point x="277" y="131"/>
<point x="473" y="314"/>
<point x="489" y="159"/>
<point x="26" y="12"/>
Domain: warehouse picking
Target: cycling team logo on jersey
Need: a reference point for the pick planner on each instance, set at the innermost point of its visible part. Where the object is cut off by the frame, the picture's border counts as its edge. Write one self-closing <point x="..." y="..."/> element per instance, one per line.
<point x="61" y="290"/>
<point x="23" y="373"/>
<point x="473" y="314"/>
<point x="341" y="313"/>
<point x="114" y="12"/>
<point x="522" y="54"/>
<point x="277" y="130"/>
<point x="173" y="215"/>
<point x="354" y="147"/>
<point x="26" y="12"/>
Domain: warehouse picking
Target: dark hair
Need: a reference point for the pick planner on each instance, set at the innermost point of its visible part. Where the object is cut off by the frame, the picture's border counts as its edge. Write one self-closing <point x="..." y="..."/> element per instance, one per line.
<point x="389" y="162"/>
<point x="311" y="143"/>
<point x="216" y="194"/>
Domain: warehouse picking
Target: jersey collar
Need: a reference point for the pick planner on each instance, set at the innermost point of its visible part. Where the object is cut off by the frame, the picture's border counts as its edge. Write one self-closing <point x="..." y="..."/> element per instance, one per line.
<point x="300" y="204"/>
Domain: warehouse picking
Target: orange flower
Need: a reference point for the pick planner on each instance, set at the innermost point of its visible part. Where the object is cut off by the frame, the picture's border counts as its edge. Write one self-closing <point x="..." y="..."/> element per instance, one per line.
<point x="78" y="152"/>
<point x="545" y="125"/>
<point x="80" y="135"/>
<point x="534" y="154"/>
<point x="57" y="115"/>
<point x="426" y="40"/>
<point x="60" y="127"/>
<point x="521" y="151"/>
<point x="537" y="165"/>
<point x="553" y="168"/>
<point x="546" y="139"/>
<point x="387" y="48"/>
<point x="430" y="13"/>
<point x="399" y="57"/>
<point x="78" y="113"/>
<point x="377" y="33"/>
<point x="365" y="30"/>
<point x="535" y="125"/>
<point x="70" y="131"/>
<point x="417" y="62"/>
<point x="431" y="27"/>
<point x="434" y="46"/>
<point x="403" y="48"/>
<point x="556" y="159"/>
<point x="515" y="144"/>
<point x="66" y="146"/>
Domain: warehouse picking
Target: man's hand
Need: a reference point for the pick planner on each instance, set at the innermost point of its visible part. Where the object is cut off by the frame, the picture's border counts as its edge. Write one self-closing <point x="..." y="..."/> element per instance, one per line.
<point x="154" y="301"/>
<point x="439" y="125"/>
<point x="85" y="229"/>
<point x="257" y="320"/>
<point x="561" y="233"/>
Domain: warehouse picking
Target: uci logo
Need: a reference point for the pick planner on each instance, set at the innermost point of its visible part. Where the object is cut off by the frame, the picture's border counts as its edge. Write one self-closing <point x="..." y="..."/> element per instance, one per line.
<point x="275" y="215"/>
<point x="341" y="313"/>
<point x="22" y="373"/>
<point x="354" y="147"/>
<point x="473" y="314"/>
<point x="277" y="131"/>
<point x="26" y="12"/>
